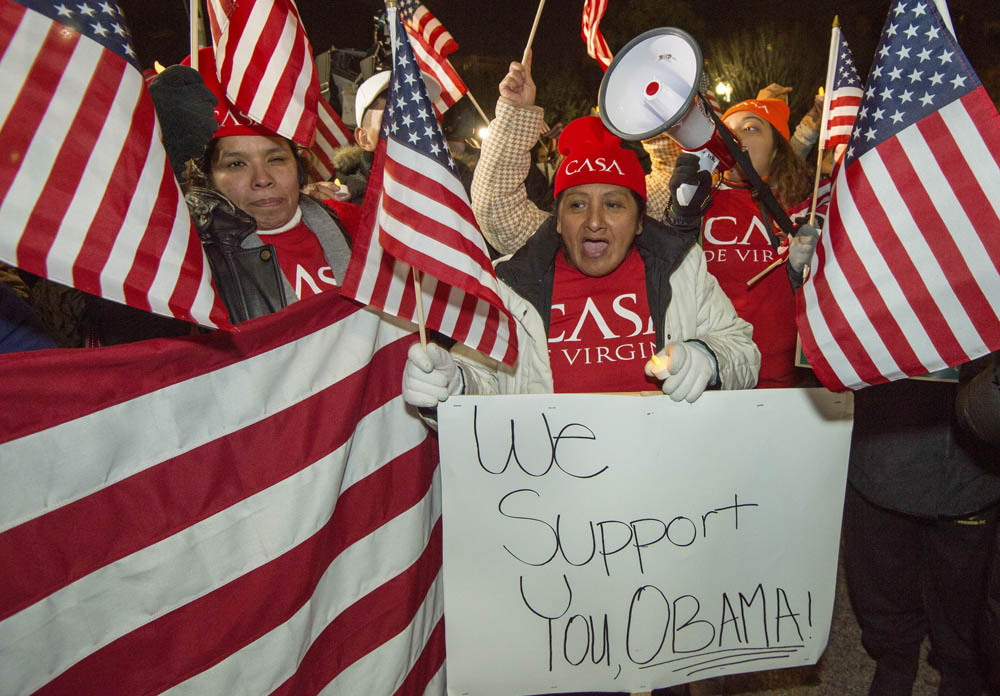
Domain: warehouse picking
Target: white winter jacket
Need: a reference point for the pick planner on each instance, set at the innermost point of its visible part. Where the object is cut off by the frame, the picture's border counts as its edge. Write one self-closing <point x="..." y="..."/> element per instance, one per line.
<point x="693" y="309"/>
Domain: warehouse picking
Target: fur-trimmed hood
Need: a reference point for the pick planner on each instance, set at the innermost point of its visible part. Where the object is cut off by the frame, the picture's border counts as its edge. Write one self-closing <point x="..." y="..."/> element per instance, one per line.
<point x="352" y="159"/>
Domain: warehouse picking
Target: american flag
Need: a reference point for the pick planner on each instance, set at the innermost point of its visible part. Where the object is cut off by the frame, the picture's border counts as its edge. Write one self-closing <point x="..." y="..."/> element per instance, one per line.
<point x="265" y="63"/>
<point x="597" y="47"/>
<point x="431" y="44"/>
<point x="417" y="214"/>
<point x="241" y="513"/>
<point x="331" y="133"/>
<point x="907" y="275"/>
<point x="418" y="20"/>
<point x="87" y="197"/>
<point x="843" y="94"/>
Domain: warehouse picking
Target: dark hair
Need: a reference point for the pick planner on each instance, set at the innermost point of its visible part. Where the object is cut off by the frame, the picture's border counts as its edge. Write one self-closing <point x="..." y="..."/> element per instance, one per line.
<point x="791" y="177"/>
<point x="640" y="202"/>
<point x="198" y="172"/>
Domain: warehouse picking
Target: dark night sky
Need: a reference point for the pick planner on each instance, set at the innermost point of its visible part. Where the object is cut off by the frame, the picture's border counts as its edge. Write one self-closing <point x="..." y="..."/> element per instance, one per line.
<point x="500" y="27"/>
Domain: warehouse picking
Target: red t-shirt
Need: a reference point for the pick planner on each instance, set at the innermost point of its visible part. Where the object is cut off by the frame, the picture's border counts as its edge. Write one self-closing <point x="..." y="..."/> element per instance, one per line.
<point x="736" y="249"/>
<point x="301" y="259"/>
<point x="600" y="331"/>
<point x="349" y="214"/>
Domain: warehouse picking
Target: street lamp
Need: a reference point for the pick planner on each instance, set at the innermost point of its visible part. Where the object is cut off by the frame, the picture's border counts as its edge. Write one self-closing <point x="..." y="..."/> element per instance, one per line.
<point x="724" y="89"/>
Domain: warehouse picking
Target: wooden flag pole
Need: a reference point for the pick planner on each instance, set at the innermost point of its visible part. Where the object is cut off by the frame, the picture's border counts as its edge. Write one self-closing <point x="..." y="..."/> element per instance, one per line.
<point x="421" y="323"/>
<point x="828" y="89"/>
<point x="194" y="33"/>
<point x="486" y="120"/>
<point x="534" y="27"/>
<point x="531" y="39"/>
<point x="766" y="270"/>
<point x="819" y="144"/>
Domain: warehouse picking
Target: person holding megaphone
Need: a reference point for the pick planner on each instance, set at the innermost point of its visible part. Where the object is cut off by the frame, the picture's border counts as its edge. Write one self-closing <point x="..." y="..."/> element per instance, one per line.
<point x="737" y="233"/>
<point x="606" y="299"/>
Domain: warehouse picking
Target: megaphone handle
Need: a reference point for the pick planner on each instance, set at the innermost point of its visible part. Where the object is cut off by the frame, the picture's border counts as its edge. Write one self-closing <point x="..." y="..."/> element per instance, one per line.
<point x="707" y="162"/>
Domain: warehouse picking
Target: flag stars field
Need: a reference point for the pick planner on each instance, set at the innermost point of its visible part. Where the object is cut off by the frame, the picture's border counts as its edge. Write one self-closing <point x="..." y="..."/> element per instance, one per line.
<point x="900" y="62"/>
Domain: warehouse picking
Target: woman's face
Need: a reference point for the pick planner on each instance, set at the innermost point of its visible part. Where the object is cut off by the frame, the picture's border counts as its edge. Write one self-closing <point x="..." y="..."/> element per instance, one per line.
<point x="757" y="138"/>
<point x="260" y="175"/>
<point x="598" y="223"/>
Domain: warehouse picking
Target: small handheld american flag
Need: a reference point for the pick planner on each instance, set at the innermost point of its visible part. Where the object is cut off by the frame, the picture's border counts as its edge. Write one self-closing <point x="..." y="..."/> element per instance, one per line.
<point x="417" y="216"/>
<point x="597" y="47"/>
<point x="843" y="94"/>
<point x="432" y="44"/>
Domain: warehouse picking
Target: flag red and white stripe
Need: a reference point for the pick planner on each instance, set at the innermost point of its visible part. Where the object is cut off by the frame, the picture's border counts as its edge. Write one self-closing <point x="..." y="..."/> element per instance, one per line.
<point x="597" y="47"/>
<point x="431" y="45"/>
<point x="331" y="133"/>
<point x="842" y="95"/>
<point x="417" y="214"/>
<point x="87" y="197"/>
<point x="265" y="64"/>
<point x="418" y="20"/>
<point x="209" y="515"/>
<point x="823" y="192"/>
<point x="907" y="276"/>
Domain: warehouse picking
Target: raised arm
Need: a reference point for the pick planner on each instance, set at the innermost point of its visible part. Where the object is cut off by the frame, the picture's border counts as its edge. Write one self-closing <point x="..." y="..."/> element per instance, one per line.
<point x="499" y="198"/>
<point x="663" y="151"/>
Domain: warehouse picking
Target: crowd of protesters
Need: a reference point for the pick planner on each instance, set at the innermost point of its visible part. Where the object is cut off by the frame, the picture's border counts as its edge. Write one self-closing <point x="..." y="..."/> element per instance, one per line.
<point x="923" y="497"/>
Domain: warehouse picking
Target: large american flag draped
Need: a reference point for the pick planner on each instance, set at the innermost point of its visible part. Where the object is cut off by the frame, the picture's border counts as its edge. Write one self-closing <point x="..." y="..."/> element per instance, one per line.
<point x="417" y="214"/>
<point x="244" y="513"/>
<point x="265" y="64"/>
<point x="432" y="44"/>
<point x="843" y="94"/>
<point x="907" y="275"/>
<point x="87" y="197"/>
<point x="597" y="47"/>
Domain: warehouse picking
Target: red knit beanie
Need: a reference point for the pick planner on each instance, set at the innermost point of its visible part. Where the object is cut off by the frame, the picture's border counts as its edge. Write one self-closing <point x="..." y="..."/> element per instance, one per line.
<point x="229" y="118"/>
<point x="594" y="155"/>
<point x="774" y="111"/>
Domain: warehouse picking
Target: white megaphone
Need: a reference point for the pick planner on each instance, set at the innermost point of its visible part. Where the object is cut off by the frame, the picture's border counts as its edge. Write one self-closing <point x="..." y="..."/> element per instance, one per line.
<point x="651" y="86"/>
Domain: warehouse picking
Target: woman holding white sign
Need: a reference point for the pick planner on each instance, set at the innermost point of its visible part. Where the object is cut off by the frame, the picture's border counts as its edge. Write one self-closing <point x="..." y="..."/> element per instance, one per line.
<point x="606" y="299"/>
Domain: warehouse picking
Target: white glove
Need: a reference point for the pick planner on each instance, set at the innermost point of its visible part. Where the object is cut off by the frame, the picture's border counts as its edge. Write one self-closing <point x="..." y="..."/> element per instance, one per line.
<point x="801" y="247"/>
<point x="430" y="376"/>
<point x="685" y="370"/>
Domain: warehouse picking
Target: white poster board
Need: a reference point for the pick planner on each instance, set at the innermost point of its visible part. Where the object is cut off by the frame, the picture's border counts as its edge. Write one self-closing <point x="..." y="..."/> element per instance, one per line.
<point x="624" y="543"/>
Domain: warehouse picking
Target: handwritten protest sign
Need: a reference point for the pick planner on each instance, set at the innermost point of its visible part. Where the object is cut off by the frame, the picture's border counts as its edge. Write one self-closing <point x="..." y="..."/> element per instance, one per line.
<point x="623" y="543"/>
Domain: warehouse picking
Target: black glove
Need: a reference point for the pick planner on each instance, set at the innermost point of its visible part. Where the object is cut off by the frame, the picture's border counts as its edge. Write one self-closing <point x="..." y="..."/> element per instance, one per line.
<point x="185" y="108"/>
<point x="687" y="170"/>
